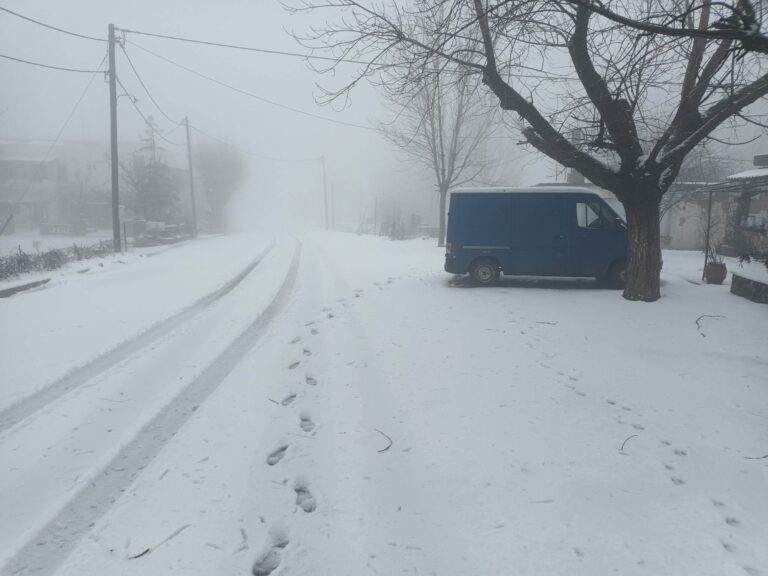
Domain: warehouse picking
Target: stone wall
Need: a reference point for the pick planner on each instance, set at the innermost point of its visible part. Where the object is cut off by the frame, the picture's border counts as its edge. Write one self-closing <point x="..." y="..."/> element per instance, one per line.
<point x="749" y="289"/>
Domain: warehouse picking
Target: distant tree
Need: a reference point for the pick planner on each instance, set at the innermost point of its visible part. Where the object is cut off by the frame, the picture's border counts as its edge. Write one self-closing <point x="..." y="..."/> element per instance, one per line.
<point x="153" y="192"/>
<point x="221" y="169"/>
<point x="443" y="127"/>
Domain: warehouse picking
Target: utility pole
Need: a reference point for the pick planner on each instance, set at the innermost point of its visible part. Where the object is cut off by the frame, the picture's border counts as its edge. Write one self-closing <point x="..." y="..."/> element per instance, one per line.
<point x="116" y="245"/>
<point x="325" y="192"/>
<point x="191" y="180"/>
<point x="333" y="207"/>
<point x="375" y="215"/>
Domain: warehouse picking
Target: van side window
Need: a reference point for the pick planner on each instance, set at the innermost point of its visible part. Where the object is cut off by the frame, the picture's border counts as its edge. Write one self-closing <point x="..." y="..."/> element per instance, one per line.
<point x="591" y="215"/>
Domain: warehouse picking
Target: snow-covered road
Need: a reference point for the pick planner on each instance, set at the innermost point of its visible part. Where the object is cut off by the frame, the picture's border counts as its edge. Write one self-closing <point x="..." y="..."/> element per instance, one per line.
<point x="371" y="416"/>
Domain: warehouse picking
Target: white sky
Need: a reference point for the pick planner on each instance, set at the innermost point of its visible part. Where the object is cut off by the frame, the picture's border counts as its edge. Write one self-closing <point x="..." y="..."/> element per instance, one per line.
<point x="35" y="102"/>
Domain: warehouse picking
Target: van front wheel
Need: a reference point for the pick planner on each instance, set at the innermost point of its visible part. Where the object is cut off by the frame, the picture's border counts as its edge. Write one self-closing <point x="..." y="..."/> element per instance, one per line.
<point x="484" y="272"/>
<point x="617" y="275"/>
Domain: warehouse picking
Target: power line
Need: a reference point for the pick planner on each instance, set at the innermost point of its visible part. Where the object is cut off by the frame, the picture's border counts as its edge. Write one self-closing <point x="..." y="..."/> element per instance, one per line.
<point x="49" y="66"/>
<point x="43" y="24"/>
<point x="255" y="154"/>
<point x="134" y="102"/>
<point x="143" y="85"/>
<point x="246" y="48"/>
<point x="251" y="94"/>
<point x="55" y="141"/>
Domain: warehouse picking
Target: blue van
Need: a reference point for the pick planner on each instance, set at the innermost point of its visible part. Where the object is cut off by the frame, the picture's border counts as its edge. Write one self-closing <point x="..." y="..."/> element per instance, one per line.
<point x="540" y="231"/>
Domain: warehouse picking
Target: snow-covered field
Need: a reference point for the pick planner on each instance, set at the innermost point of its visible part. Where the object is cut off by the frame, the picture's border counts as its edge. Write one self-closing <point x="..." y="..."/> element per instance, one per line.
<point x="345" y="407"/>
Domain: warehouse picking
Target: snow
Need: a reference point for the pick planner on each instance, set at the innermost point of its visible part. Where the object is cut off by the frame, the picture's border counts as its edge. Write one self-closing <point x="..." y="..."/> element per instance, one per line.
<point x="91" y="306"/>
<point x="538" y="427"/>
<point x="752" y="270"/>
<point x="33" y="242"/>
<point x="749" y="174"/>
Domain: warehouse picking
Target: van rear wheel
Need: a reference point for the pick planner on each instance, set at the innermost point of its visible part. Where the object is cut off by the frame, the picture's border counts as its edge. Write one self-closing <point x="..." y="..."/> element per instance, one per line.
<point x="484" y="272"/>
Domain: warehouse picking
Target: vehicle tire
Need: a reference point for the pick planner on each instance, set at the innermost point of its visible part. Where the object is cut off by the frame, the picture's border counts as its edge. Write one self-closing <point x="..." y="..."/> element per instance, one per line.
<point x="484" y="272"/>
<point x="617" y="275"/>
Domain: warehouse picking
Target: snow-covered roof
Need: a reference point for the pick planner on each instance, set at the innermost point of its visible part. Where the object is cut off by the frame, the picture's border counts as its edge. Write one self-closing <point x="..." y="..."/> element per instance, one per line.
<point x="749" y="174"/>
<point x="539" y="189"/>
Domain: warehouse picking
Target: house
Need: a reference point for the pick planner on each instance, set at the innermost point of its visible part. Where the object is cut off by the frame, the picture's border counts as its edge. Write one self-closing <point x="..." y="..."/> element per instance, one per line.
<point x="62" y="187"/>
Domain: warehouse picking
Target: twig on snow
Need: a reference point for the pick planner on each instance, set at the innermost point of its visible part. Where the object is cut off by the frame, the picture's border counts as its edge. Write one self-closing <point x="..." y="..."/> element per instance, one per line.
<point x="387" y="437"/>
<point x="152" y="548"/>
<point x="625" y="442"/>
<point x="274" y="401"/>
<point x="700" y="318"/>
<point x="548" y="323"/>
<point x="756" y="457"/>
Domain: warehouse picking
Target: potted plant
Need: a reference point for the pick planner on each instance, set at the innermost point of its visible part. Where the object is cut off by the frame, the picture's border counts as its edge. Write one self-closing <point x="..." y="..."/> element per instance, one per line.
<point x="715" y="270"/>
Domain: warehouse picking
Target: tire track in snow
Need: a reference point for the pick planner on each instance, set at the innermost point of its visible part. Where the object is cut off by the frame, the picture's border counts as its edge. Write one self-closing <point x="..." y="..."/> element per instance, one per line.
<point x="78" y="376"/>
<point x="51" y="545"/>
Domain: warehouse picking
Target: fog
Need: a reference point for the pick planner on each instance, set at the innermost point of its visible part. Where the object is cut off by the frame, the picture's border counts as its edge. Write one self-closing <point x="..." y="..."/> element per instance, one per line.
<point x="283" y="147"/>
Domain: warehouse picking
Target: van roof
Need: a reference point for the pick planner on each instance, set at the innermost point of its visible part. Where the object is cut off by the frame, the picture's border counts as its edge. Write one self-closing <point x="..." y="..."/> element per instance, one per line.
<point x="537" y="189"/>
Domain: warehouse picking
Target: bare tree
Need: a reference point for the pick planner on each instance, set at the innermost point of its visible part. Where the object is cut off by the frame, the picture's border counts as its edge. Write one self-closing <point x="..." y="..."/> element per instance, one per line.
<point x="442" y="127"/>
<point x="153" y="192"/>
<point x="569" y="67"/>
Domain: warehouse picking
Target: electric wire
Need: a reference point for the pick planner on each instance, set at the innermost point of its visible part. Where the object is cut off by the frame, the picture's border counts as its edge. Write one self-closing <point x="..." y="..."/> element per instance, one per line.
<point x="245" y="48"/>
<point x="143" y="85"/>
<point x="53" y="144"/>
<point x="50" y="27"/>
<point x="49" y="66"/>
<point x="251" y="94"/>
<point x="251" y="153"/>
<point x="134" y="101"/>
<point x="201" y="132"/>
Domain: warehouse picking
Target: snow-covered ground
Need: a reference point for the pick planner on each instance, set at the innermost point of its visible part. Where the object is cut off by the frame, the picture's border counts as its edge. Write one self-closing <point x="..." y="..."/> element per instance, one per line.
<point x="32" y="242"/>
<point x="348" y="408"/>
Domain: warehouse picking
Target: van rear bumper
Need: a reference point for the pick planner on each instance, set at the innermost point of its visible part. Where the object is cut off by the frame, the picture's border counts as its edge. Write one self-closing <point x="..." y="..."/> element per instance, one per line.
<point x="452" y="265"/>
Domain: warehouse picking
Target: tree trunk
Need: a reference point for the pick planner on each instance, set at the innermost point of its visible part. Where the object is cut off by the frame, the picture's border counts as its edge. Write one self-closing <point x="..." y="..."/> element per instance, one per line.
<point x="643" y="251"/>
<point x="441" y="231"/>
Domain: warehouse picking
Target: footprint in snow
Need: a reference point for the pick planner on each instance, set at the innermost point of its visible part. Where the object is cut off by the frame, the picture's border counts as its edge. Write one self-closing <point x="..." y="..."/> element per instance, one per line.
<point x="731" y="521"/>
<point x="304" y="498"/>
<point x="307" y="352"/>
<point x="306" y="422"/>
<point x="679" y="452"/>
<point x="314" y="331"/>
<point x="288" y="399"/>
<point x="269" y="560"/>
<point x="296" y="340"/>
<point x="277" y="455"/>
<point x="677" y="480"/>
<point x="310" y="380"/>
<point x="637" y="426"/>
<point x="294" y="365"/>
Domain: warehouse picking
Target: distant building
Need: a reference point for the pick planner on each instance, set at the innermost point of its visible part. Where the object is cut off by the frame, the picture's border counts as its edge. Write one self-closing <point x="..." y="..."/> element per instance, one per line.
<point x="61" y="188"/>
